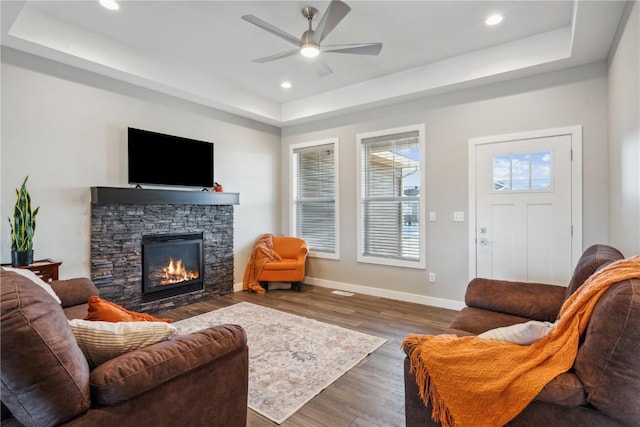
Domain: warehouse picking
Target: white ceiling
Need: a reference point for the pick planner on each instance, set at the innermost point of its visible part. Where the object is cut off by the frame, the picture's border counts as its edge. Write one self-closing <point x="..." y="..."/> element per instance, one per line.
<point x="202" y="50"/>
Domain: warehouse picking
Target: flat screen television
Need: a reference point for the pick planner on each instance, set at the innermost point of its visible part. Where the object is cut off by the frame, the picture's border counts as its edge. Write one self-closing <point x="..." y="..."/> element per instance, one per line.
<point x="156" y="158"/>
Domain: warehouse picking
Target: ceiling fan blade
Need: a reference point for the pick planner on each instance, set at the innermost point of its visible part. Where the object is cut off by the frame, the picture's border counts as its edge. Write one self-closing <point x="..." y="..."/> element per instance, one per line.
<point x="270" y="28"/>
<point x="277" y="56"/>
<point x="358" y="49"/>
<point x="321" y="67"/>
<point x="336" y="11"/>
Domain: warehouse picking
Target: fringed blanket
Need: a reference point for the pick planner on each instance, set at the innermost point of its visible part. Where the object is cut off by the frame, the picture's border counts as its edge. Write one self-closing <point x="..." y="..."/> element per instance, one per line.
<point x="470" y="381"/>
<point x="261" y="254"/>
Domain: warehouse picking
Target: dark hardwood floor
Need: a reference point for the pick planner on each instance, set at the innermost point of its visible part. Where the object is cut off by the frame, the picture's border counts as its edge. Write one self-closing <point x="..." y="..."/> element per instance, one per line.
<point x="370" y="394"/>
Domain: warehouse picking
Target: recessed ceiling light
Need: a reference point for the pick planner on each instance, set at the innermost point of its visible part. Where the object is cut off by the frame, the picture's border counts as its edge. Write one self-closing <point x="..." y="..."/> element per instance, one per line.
<point x="110" y="4"/>
<point x="494" y="19"/>
<point x="285" y="85"/>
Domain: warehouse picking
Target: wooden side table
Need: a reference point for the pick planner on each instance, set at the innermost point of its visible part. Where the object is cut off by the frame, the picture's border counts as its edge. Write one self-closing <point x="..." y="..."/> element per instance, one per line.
<point x="46" y="269"/>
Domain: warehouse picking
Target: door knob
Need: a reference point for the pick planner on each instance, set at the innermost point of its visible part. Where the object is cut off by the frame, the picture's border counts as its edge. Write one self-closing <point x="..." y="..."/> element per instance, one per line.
<point x="484" y="241"/>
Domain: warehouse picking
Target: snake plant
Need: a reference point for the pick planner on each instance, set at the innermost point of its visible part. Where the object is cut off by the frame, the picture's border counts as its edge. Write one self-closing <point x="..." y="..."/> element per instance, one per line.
<point x="24" y="221"/>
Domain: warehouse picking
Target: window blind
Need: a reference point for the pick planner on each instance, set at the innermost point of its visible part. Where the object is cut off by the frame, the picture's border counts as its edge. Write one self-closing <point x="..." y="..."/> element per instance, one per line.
<point x="314" y="196"/>
<point x="390" y="196"/>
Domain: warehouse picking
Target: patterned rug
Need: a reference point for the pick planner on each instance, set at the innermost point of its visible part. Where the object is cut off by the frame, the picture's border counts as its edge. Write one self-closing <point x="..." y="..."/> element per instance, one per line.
<point x="291" y="358"/>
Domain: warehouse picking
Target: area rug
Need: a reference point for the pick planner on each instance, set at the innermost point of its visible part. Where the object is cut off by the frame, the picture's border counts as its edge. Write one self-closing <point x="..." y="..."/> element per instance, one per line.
<point x="291" y="358"/>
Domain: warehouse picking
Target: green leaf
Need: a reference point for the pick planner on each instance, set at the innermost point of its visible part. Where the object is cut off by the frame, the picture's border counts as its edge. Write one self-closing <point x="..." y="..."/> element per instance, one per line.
<point x="24" y="220"/>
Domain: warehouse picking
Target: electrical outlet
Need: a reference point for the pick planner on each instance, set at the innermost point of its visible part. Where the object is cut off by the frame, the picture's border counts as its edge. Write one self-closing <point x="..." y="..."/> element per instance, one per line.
<point x="432" y="277"/>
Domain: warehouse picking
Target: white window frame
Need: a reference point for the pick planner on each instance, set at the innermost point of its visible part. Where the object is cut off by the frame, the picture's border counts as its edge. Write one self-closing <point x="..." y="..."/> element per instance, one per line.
<point x="292" y="210"/>
<point x="421" y="263"/>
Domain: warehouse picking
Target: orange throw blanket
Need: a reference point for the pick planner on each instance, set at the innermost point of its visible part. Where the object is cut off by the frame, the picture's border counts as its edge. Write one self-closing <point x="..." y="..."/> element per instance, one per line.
<point x="476" y="382"/>
<point x="261" y="254"/>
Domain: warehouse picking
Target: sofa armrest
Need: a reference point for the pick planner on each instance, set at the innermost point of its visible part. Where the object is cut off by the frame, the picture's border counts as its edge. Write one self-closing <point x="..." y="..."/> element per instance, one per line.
<point x="74" y="291"/>
<point x="136" y="372"/>
<point x="536" y="301"/>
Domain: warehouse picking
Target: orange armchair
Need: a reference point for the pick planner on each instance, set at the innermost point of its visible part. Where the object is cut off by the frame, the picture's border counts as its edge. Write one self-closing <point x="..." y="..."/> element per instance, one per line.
<point x="290" y="268"/>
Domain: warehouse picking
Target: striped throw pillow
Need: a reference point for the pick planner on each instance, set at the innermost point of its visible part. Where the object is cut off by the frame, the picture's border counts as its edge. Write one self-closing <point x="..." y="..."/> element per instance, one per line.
<point x="102" y="341"/>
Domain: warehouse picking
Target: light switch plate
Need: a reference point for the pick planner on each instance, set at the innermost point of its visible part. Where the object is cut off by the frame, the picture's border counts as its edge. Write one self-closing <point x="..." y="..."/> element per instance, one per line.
<point x="432" y="215"/>
<point x="458" y="216"/>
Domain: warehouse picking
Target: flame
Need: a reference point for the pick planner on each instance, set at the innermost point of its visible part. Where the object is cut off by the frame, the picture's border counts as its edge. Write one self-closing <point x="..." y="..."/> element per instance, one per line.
<point x="176" y="272"/>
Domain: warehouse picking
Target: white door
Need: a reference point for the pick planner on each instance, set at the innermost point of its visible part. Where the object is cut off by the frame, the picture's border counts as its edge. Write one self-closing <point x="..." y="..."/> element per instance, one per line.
<point x="523" y="208"/>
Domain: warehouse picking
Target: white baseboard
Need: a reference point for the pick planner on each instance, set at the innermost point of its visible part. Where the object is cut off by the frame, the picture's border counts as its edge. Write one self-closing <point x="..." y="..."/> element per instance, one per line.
<point x="378" y="292"/>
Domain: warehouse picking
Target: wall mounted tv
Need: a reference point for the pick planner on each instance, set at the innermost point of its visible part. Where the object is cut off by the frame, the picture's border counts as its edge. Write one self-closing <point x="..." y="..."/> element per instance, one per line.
<point x="156" y="158"/>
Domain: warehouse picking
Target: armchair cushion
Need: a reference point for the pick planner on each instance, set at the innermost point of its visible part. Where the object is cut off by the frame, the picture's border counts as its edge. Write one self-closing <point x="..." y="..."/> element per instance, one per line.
<point x="54" y="386"/>
<point x="476" y="320"/>
<point x="284" y="264"/>
<point x="134" y="373"/>
<point x="564" y="390"/>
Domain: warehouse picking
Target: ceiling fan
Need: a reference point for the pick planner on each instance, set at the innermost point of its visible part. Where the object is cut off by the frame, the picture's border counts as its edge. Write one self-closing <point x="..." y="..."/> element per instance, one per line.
<point x="309" y="44"/>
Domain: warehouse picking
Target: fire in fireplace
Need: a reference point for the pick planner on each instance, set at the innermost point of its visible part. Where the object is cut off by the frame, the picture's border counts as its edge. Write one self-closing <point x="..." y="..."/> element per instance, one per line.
<point x="172" y="264"/>
<point x="172" y="272"/>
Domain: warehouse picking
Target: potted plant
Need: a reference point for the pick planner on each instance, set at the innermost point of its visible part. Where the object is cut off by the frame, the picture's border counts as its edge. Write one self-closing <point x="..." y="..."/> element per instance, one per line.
<point x="22" y="228"/>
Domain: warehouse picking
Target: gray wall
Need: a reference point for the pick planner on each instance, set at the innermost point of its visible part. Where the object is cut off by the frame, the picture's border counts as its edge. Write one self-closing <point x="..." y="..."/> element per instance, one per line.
<point x="66" y="129"/>
<point x="572" y="97"/>
<point x="624" y="137"/>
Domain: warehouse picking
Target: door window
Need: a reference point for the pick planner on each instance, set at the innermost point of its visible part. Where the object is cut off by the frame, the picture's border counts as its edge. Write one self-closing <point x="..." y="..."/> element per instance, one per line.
<point x="522" y="171"/>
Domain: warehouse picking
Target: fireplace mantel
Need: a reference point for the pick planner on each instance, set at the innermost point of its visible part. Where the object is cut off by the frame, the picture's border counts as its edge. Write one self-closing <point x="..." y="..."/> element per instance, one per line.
<point x="138" y="196"/>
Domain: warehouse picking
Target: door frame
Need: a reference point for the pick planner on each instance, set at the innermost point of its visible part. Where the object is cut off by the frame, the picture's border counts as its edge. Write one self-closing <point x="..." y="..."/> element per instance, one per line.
<point x="576" y="184"/>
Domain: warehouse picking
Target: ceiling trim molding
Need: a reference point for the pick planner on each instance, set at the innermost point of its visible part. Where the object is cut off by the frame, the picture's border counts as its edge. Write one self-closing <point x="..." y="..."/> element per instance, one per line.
<point x="26" y="29"/>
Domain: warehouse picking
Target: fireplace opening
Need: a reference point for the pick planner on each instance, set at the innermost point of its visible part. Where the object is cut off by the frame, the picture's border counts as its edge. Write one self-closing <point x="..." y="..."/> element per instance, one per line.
<point x="172" y="264"/>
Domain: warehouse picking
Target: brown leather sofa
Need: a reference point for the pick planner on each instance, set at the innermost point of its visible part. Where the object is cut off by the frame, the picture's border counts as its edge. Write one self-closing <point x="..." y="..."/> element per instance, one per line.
<point x="602" y="388"/>
<point x="199" y="379"/>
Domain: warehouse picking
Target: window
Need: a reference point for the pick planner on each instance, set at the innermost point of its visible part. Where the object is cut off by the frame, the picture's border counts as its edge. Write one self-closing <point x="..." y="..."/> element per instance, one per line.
<point x="522" y="171"/>
<point x="391" y="197"/>
<point x="314" y="196"/>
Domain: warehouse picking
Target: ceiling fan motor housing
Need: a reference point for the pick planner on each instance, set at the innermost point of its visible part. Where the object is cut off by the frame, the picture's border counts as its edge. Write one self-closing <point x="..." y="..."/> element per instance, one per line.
<point x="309" y="12"/>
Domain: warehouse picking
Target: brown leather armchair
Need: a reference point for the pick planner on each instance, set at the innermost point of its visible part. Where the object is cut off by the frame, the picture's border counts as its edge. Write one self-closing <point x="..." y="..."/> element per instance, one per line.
<point x="603" y="386"/>
<point x="293" y="253"/>
<point x="198" y="379"/>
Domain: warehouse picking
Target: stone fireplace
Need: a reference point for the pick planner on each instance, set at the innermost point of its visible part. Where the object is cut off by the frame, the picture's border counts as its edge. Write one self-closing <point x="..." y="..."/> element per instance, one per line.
<point x="172" y="264"/>
<point x="129" y="225"/>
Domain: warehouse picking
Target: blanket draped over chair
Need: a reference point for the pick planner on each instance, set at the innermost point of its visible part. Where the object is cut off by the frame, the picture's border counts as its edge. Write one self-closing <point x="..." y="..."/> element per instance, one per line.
<point x="471" y="381"/>
<point x="261" y="254"/>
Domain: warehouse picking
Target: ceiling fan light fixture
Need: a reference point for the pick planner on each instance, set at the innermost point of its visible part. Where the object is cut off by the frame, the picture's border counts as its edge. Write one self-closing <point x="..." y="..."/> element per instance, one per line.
<point x="309" y="50"/>
<point x="308" y="47"/>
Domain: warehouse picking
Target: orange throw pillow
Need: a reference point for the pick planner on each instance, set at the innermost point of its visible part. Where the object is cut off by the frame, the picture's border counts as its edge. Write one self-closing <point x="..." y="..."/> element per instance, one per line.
<point x="105" y="311"/>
